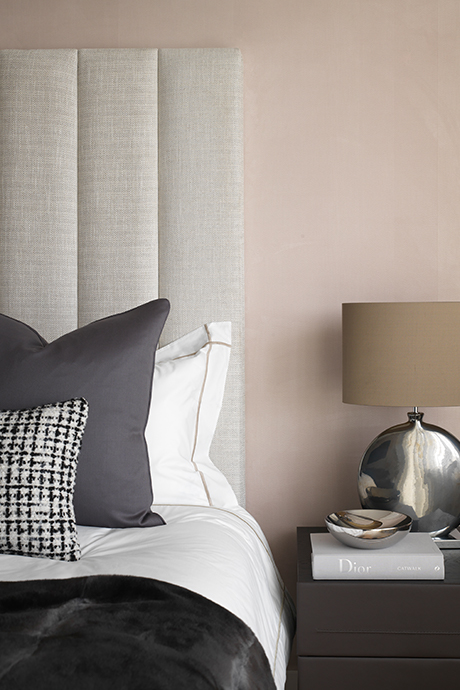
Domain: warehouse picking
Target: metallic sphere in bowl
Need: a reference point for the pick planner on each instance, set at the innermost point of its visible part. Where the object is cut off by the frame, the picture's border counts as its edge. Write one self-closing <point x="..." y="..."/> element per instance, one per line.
<point x="368" y="529"/>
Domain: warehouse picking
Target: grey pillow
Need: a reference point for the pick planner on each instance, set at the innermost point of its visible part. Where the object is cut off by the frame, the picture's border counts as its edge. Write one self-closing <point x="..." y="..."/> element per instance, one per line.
<point x="110" y="363"/>
<point x="38" y="461"/>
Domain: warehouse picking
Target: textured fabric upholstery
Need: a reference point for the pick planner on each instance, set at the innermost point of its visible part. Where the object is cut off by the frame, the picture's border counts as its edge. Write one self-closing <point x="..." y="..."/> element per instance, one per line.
<point x="117" y="181"/>
<point x="201" y="215"/>
<point x="121" y="182"/>
<point x="38" y="191"/>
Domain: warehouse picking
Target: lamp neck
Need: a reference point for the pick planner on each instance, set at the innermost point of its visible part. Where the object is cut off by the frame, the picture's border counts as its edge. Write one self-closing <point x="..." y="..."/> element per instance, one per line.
<point x="415" y="415"/>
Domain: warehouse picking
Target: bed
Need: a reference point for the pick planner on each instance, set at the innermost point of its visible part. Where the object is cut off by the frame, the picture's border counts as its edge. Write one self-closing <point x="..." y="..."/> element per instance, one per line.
<point x="127" y="556"/>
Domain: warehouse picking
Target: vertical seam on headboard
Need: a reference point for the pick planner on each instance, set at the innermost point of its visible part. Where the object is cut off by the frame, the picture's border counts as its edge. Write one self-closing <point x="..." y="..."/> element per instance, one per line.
<point x="158" y="175"/>
<point x="78" y="189"/>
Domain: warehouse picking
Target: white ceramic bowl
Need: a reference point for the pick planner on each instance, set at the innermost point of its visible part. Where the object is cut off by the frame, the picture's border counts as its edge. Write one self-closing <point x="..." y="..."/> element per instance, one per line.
<point x="368" y="529"/>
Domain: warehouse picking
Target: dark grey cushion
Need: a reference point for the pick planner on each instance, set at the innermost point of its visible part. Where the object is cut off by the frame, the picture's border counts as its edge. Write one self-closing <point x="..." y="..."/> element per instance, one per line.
<point x="109" y="363"/>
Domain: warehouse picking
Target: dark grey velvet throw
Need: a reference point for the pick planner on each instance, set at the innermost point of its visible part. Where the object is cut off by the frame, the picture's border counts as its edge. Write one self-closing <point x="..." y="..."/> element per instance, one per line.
<point x="123" y="633"/>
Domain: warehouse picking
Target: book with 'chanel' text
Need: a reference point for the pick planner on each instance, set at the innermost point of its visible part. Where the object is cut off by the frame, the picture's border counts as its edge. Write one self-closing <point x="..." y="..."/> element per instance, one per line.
<point x="415" y="557"/>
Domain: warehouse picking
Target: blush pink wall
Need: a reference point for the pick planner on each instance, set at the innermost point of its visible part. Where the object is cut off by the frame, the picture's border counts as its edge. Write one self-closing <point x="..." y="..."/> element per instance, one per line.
<point x="352" y="127"/>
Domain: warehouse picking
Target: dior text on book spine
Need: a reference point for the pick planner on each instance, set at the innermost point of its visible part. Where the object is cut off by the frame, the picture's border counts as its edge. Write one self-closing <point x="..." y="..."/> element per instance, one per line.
<point x="416" y="557"/>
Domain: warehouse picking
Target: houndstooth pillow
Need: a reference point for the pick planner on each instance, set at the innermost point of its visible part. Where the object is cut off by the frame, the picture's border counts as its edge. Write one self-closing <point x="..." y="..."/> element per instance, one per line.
<point x="38" y="461"/>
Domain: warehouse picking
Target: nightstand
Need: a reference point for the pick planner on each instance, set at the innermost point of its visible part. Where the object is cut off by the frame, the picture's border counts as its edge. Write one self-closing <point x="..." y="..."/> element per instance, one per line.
<point x="377" y="634"/>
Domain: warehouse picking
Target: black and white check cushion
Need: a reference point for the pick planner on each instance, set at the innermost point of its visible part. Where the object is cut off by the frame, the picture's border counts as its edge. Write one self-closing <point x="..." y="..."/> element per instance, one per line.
<point x="38" y="461"/>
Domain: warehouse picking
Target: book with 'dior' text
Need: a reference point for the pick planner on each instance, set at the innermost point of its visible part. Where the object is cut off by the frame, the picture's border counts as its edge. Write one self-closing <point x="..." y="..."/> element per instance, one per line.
<point x="415" y="557"/>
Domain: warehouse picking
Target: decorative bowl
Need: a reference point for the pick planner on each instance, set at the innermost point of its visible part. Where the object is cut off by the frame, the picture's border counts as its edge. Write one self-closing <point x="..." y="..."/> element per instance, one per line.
<point x="368" y="529"/>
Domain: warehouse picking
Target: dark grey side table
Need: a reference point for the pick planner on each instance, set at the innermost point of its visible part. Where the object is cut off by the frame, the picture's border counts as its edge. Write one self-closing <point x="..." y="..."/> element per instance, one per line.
<point x="377" y="634"/>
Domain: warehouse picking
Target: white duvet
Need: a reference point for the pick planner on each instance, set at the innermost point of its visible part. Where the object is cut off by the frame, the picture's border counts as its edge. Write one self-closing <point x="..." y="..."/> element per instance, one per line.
<point x="221" y="554"/>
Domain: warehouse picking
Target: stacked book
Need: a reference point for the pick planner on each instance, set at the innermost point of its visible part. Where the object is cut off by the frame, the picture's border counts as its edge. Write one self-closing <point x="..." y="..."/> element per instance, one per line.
<point x="416" y="557"/>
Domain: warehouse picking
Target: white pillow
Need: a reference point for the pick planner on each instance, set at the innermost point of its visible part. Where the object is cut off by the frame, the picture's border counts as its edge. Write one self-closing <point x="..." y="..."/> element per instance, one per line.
<point x="188" y="388"/>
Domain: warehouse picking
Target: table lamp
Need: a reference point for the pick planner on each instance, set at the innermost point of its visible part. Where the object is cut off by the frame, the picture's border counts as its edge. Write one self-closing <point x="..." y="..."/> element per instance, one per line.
<point x="407" y="354"/>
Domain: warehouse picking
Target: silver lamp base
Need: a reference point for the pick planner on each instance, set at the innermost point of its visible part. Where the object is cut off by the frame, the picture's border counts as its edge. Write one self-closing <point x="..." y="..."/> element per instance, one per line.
<point x="414" y="468"/>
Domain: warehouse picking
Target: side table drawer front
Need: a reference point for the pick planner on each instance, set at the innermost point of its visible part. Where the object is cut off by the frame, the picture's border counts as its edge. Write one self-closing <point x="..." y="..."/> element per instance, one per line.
<point x="325" y="673"/>
<point x="377" y="619"/>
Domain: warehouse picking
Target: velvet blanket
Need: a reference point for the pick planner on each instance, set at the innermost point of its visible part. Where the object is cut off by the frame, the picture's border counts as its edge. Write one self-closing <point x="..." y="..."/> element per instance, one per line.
<point x="123" y="633"/>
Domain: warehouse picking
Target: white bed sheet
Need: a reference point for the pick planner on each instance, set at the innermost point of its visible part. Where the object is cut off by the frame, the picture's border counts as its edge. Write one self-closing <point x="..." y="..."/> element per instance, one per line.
<point x="221" y="554"/>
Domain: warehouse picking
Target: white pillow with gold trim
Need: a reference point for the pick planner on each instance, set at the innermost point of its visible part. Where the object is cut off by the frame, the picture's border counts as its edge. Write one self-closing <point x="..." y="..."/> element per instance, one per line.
<point x="188" y="388"/>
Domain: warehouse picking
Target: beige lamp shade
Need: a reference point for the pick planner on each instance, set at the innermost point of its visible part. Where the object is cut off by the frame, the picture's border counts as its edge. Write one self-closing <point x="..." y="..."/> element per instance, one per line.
<point x="402" y="354"/>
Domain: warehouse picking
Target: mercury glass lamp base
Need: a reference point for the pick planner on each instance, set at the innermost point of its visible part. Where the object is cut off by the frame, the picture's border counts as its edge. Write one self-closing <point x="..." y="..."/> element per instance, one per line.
<point x="414" y="468"/>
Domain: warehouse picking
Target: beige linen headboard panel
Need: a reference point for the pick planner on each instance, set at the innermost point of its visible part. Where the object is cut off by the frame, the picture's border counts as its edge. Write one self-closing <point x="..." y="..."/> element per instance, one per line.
<point x="122" y="180"/>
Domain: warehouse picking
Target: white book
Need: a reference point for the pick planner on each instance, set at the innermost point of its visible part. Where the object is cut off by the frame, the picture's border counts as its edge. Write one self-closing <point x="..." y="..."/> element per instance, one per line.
<point x="416" y="557"/>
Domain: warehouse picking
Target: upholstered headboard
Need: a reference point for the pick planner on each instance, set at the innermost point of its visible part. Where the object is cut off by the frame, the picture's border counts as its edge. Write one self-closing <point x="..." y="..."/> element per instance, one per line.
<point x="121" y="181"/>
